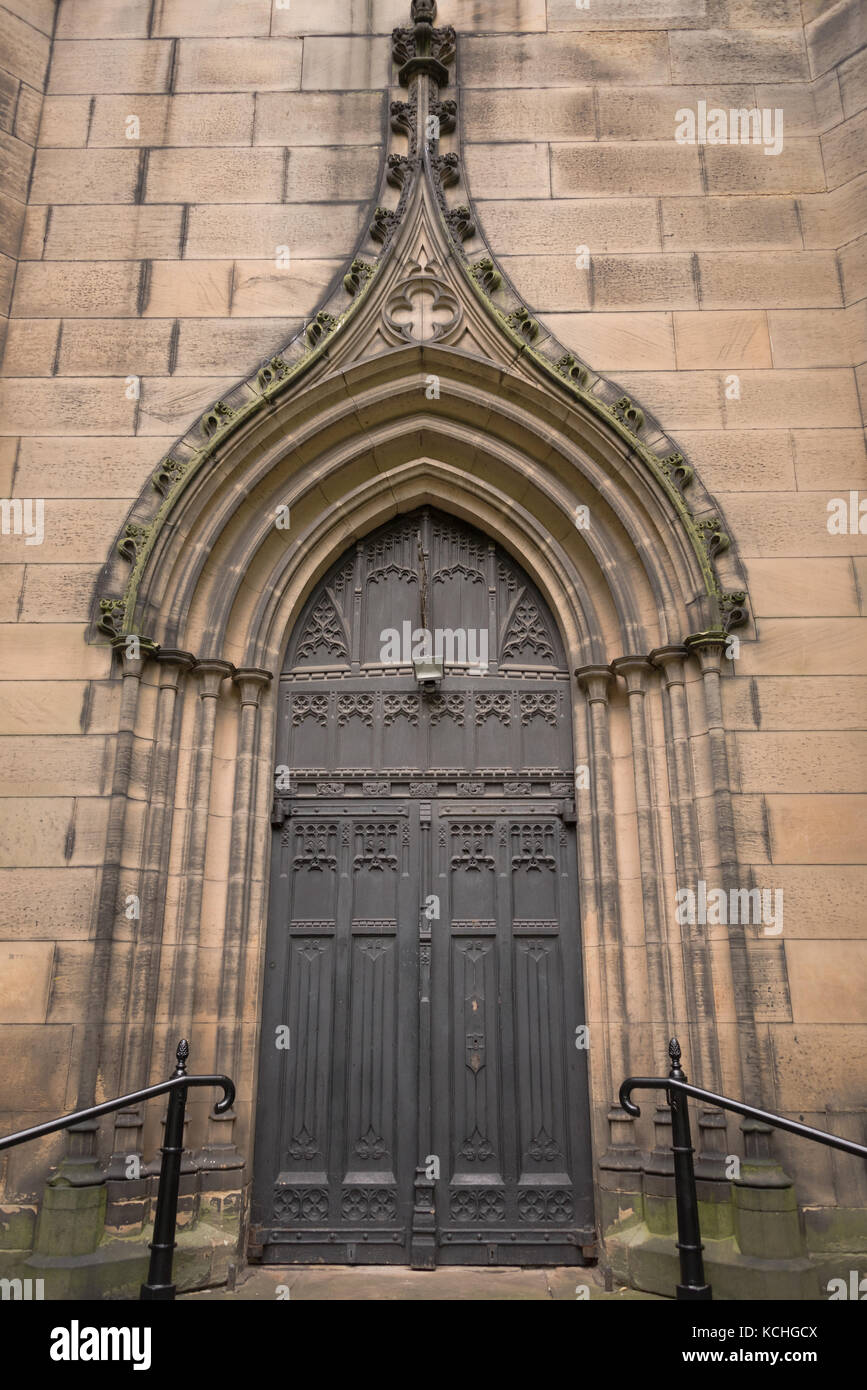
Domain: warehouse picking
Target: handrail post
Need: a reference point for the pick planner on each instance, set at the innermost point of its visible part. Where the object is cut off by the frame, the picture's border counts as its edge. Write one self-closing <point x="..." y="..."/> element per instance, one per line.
<point x="692" y="1285"/>
<point x="159" y="1284"/>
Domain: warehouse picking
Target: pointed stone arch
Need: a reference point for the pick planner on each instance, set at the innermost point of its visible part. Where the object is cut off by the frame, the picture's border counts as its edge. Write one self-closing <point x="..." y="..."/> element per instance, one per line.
<point x="422" y="380"/>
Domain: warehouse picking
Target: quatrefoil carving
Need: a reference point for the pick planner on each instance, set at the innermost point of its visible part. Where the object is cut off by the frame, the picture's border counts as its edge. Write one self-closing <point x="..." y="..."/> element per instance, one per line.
<point x="422" y="308"/>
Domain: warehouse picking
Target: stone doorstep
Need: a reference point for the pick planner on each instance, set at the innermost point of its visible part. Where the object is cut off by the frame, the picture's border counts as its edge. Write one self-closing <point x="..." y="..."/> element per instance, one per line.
<point x="396" y="1283"/>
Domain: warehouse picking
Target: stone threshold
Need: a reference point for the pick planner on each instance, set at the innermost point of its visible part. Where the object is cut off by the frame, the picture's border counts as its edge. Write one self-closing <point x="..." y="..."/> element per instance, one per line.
<point x="366" y="1283"/>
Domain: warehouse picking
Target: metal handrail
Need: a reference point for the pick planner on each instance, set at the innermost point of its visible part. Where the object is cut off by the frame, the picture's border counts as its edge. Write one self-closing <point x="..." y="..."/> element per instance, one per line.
<point x="159" y="1284"/>
<point x="693" y="1285"/>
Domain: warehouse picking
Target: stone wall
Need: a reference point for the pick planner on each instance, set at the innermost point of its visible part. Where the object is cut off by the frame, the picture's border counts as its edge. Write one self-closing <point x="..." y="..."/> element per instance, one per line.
<point x="182" y="145"/>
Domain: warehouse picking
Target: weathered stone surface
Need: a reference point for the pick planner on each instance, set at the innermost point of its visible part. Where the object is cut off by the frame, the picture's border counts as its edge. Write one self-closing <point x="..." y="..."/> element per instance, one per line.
<point x="599" y="224"/>
<point x="229" y="346"/>
<point x="726" y="461"/>
<point x="238" y="176"/>
<point x="789" y="762"/>
<point x="531" y="114"/>
<point x="853" y="83"/>
<point x="247" y="65"/>
<point x="26" y="969"/>
<point x="170" y="407"/>
<point x="113" y="233"/>
<point x="68" y="406"/>
<point x="57" y="593"/>
<point x="816" y="829"/>
<point x="725" y="340"/>
<point x="803" y="588"/>
<point x="361" y="16"/>
<point x="218" y="18"/>
<point x="629" y="14"/>
<point x="574" y="60"/>
<point x="807" y="646"/>
<point x="94" y="66"/>
<point x="191" y="288"/>
<point x="36" y="1062"/>
<point x="633" y="170"/>
<point x="115" y="467"/>
<point x="38" y="13"/>
<point x="318" y="118"/>
<point x="344" y="64"/>
<point x="828" y="980"/>
<point x="331" y="176"/>
<point x="784" y="280"/>
<point x="192" y="119"/>
<point x="793" y="702"/>
<point x="812" y="337"/>
<point x="109" y="347"/>
<point x="45" y="904"/>
<point x="85" y="176"/>
<point x="843" y="150"/>
<point x="31" y="346"/>
<point x="774" y="523"/>
<point x="25" y="50"/>
<point x="257" y="232"/>
<point x="694" y="402"/>
<point x="262" y="289"/>
<point x="114" y="19"/>
<point x="853" y="268"/>
<point x="835" y="35"/>
<point x="508" y="171"/>
<point x="615" y="342"/>
<point x="65" y="121"/>
<point x="798" y="168"/>
<point x="757" y="55"/>
<point x="719" y="223"/>
<point x="824" y="460"/>
<point x="834" y="218"/>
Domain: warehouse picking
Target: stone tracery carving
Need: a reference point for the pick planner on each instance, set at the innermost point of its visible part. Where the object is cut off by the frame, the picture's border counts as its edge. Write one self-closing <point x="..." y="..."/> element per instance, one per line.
<point x="322" y="629"/>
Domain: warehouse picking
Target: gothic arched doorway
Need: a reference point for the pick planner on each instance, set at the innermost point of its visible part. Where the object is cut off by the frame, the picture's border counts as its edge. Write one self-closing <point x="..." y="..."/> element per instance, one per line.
<point x="428" y="1103"/>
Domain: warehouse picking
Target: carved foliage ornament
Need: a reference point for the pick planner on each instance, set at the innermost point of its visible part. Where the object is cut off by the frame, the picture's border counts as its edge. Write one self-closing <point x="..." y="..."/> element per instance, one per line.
<point x="424" y="49"/>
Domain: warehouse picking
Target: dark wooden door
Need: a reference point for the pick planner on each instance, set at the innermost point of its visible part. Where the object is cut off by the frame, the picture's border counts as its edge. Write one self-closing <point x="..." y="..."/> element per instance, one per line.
<point x="421" y="1099"/>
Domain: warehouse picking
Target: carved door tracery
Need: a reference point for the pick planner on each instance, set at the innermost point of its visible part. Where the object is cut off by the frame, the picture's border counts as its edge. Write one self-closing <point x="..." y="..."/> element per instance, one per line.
<point x="423" y="946"/>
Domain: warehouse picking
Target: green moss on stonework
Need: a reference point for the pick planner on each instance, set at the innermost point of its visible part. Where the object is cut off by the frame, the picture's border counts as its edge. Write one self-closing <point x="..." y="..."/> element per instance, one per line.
<point x="265" y="394"/>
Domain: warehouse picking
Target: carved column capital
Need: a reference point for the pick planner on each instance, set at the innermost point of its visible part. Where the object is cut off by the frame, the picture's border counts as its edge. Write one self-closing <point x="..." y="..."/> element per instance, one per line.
<point x="211" y="672"/>
<point x="174" y="664"/>
<point x="634" y="670"/>
<point x="595" y="680"/>
<point x="670" y="661"/>
<point x="132" y="652"/>
<point x="708" y="647"/>
<point x="251" y="681"/>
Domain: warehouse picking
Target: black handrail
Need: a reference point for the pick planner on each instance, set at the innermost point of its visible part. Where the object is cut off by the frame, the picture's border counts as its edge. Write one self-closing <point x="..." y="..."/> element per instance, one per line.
<point x="693" y="1284"/>
<point x="159" y="1284"/>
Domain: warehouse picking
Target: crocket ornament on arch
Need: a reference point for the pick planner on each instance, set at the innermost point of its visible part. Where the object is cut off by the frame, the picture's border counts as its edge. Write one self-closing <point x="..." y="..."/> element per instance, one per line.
<point x="424" y="380"/>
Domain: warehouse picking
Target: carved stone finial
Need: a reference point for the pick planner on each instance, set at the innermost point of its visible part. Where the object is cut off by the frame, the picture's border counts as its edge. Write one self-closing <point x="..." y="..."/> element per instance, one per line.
<point x="421" y="47"/>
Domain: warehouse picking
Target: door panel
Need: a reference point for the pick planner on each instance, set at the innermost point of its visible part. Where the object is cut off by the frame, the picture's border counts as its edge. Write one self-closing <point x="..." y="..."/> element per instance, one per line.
<point x="341" y="1136"/>
<point x="423" y="945"/>
<point x="509" y="1086"/>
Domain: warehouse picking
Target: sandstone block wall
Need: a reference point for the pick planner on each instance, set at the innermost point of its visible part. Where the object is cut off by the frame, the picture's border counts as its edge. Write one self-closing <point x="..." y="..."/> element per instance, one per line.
<point x="179" y="145"/>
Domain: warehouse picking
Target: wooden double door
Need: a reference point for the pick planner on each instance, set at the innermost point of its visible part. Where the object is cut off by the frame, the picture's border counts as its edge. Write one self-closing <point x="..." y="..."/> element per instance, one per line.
<point x="423" y="1086"/>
